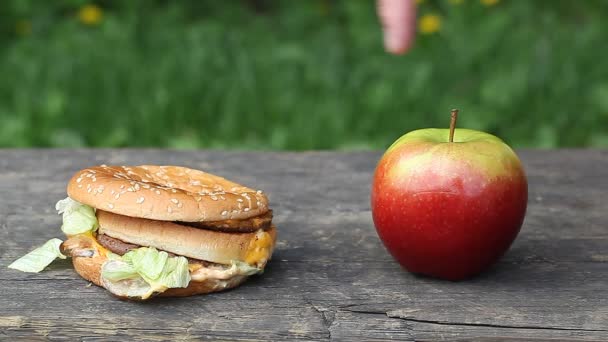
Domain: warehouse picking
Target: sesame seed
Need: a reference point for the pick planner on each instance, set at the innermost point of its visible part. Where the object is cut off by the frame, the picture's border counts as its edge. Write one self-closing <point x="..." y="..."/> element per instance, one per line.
<point x="140" y="200"/>
<point x="180" y="204"/>
<point x="246" y="209"/>
<point x="136" y="186"/>
<point x="224" y="213"/>
<point x="92" y="171"/>
<point x="89" y="190"/>
<point x="259" y="192"/>
<point x="239" y="200"/>
<point x="157" y="192"/>
<point x="117" y="196"/>
<point x="174" y="200"/>
<point x="130" y="189"/>
<point x="112" y="192"/>
<point x="104" y="165"/>
<point x="110" y="205"/>
<point x="198" y="198"/>
<point x="214" y="198"/>
<point x="173" y="191"/>
<point x="222" y="198"/>
<point x="122" y="186"/>
<point x="80" y="185"/>
<point x="79" y="180"/>
<point x="145" y="186"/>
<point x="169" y="209"/>
<point x="94" y="179"/>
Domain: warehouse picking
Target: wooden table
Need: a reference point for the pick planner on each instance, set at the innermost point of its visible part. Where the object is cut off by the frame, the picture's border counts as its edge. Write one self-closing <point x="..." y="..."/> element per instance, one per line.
<point x="330" y="277"/>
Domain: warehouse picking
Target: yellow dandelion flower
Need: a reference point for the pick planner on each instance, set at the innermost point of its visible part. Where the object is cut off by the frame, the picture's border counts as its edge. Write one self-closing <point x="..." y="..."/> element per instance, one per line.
<point x="489" y="2"/>
<point x="456" y="2"/>
<point x="90" y="14"/>
<point x="429" y="23"/>
<point x="23" y="27"/>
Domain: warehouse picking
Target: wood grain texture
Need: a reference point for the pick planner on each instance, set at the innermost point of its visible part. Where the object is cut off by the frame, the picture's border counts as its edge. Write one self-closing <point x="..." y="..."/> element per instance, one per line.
<point x="330" y="278"/>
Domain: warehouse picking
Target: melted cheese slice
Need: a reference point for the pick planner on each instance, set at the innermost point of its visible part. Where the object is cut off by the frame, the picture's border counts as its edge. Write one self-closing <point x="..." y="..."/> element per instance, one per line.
<point x="84" y="245"/>
<point x="259" y="249"/>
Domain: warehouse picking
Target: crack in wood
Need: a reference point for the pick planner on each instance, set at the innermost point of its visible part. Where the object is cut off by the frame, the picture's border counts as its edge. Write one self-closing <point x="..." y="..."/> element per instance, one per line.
<point x="327" y="316"/>
<point x="392" y="314"/>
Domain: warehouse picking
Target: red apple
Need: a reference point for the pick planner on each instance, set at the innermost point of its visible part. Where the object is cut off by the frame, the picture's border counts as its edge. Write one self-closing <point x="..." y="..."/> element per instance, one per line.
<point x="448" y="208"/>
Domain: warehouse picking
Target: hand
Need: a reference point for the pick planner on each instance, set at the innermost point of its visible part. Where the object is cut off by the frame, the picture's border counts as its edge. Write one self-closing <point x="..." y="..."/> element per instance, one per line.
<point x="398" y="18"/>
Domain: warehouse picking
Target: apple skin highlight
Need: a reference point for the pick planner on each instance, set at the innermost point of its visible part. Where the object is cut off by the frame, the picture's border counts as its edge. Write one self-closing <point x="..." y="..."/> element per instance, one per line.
<point x="448" y="210"/>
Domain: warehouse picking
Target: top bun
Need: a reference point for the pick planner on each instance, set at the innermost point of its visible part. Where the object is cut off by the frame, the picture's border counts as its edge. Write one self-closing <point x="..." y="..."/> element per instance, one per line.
<point x="165" y="193"/>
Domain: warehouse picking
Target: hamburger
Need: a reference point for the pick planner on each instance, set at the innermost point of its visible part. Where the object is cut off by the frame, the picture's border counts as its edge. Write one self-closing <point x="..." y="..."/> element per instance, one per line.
<point x="144" y="231"/>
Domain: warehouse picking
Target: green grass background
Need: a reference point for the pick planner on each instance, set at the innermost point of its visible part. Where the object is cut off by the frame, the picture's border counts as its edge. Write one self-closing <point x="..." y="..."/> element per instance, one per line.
<point x="298" y="75"/>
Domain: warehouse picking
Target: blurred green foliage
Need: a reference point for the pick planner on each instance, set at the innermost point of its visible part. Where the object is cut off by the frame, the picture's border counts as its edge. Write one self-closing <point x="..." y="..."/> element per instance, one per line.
<point x="297" y="74"/>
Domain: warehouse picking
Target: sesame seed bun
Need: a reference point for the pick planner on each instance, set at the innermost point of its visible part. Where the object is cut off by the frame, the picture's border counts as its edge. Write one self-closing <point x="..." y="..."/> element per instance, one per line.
<point x="90" y="269"/>
<point x="165" y="193"/>
<point x="201" y="244"/>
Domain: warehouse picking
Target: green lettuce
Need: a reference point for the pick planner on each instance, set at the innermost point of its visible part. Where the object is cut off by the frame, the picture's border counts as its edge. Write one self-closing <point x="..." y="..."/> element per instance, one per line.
<point x="120" y="278"/>
<point x="78" y="218"/>
<point x="174" y="274"/>
<point x="148" y="262"/>
<point x="117" y="270"/>
<point x="143" y="271"/>
<point x="36" y="260"/>
<point x="243" y="268"/>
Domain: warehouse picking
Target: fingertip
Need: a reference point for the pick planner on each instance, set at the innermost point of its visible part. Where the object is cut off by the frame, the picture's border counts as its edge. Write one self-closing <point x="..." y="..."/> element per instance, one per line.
<point x="397" y="45"/>
<point x="398" y="18"/>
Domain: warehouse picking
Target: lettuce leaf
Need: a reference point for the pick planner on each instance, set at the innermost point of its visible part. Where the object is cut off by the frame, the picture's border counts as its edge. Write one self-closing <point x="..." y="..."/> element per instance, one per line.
<point x="147" y="261"/>
<point x="116" y="270"/>
<point x="36" y="260"/>
<point x="119" y="277"/>
<point x="243" y="268"/>
<point x="78" y="218"/>
<point x="175" y="273"/>
<point x="143" y="271"/>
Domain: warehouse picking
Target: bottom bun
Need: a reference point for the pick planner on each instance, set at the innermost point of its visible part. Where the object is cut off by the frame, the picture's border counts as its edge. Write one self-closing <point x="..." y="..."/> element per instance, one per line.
<point x="90" y="269"/>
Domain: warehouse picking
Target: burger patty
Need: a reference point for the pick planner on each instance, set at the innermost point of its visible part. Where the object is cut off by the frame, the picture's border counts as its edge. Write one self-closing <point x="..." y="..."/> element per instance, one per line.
<point x="114" y="245"/>
<point x="241" y="226"/>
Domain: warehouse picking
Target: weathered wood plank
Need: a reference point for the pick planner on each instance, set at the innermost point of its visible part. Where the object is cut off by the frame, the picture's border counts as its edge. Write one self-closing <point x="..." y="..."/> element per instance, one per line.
<point x="330" y="277"/>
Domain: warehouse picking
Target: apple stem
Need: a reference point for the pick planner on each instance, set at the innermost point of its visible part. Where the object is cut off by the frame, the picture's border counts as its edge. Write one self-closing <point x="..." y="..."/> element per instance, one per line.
<point x="454" y="117"/>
